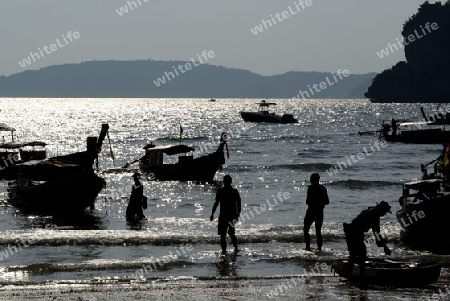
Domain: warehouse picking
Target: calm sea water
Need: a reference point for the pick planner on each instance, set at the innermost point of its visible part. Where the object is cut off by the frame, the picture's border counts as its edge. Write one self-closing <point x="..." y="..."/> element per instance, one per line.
<point x="177" y="244"/>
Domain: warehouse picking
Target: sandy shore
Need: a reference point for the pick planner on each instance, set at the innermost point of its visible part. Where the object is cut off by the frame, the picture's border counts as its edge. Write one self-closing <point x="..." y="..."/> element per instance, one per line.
<point x="283" y="288"/>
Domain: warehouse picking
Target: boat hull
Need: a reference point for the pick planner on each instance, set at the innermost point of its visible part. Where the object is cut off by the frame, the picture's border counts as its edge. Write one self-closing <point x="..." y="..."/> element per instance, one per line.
<point x="201" y="169"/>
<point x="267" y="117"/>
<point x="426" y="136"/>
<point x="65" y="184"/>
<point x="69" y="194"/>
<point x="9" y="159"/>
<point x="392" y="273"/>
<point x="422" y="222"/>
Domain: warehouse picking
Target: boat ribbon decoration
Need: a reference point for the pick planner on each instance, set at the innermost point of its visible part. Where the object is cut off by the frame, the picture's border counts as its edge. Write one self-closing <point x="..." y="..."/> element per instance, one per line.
<point x="110" y="148"/>
<point x="224" y="139"/>
<point x="181" y="132"/>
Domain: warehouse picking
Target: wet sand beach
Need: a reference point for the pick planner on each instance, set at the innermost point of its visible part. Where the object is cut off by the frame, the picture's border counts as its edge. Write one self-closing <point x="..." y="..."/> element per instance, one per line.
<point x="274" y="288"/>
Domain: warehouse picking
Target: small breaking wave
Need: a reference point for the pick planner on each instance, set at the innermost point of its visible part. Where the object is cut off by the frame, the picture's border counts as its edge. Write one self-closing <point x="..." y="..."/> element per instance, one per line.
<point x="362" y="184"/>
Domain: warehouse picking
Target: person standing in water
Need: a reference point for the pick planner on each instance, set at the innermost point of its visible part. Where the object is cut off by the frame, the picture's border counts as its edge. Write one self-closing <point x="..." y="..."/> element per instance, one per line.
<point x="230" y="209"/>
<point x="316" y="199"/>
<point x="136" y="199"/>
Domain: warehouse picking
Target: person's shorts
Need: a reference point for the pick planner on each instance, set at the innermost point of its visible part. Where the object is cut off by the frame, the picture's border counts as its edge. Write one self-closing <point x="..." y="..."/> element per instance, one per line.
<point x="225" y="226"/>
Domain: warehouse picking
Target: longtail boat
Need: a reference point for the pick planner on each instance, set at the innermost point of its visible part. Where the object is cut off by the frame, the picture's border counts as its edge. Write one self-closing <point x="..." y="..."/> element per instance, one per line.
<point x="188" y="168"/>
<point x="390" y="273"/>
<point x="59" y="184"/>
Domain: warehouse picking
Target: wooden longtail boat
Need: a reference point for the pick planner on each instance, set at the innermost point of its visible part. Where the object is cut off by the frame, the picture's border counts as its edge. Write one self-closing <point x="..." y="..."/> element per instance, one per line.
<point x="59" y="184"/>
<point x="432" y="130"/>
<point x="391" y="273"/>
<point x="188" y="168"/>
<point x="16" y="152"/>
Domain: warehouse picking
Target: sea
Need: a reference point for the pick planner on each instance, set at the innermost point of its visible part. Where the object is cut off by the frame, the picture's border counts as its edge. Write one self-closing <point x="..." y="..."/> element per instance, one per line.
<point x="174" y="254"/>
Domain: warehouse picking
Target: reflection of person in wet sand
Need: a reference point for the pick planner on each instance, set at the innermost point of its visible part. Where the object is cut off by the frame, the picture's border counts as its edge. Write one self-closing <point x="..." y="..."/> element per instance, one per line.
<point x="230" y="209"/>
<point x="226" y="266"/>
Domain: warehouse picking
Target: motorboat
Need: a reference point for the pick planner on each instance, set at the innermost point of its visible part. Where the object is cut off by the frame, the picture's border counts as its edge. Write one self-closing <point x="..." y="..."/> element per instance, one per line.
<point x="263" y="115"/>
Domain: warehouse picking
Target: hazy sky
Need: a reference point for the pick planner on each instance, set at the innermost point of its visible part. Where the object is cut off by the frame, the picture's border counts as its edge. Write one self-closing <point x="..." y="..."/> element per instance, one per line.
<point x="327" y="35"/>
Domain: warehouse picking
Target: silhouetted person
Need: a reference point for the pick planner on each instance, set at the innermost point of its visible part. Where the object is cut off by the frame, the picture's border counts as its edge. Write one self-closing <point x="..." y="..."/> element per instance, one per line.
<point x="385" y="128"/>
<point x="316" y="199"/>
<point x="394" y="127"/>
<point x="354" y="234"/>
<point x="230" y="209"/>
<point x="137" y="193"/>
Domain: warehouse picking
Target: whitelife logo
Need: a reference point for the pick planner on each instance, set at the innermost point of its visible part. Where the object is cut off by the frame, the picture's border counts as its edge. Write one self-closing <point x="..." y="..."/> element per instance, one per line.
<point x="391" y="48"/>
<point x="49" y="49"/>
<point x="301" y="5"/>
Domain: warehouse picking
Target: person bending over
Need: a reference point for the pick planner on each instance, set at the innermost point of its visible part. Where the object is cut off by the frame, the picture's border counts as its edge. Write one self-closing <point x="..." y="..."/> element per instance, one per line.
<point x="354" y="234"/>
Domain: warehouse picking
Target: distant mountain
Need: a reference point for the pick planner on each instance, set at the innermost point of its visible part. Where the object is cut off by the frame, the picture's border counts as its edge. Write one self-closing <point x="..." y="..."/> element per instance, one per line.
<point x="153" y="79"/>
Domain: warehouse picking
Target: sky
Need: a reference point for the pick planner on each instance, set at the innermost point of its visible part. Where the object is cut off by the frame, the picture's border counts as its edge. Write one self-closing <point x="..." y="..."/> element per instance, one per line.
<point x="306" y="35"/>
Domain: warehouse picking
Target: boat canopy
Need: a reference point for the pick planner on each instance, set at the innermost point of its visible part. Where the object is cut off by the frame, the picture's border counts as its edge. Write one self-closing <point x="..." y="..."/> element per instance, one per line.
<point x="13" y="145"/>
<point x="46" y="170"/>
<point x="7" y="128"/>
<point x="53" y="162"/>
<point x="421" y="184"/>
<point x="173" y="149"/>
<point x="263" y="103"/>
<point x="423" y="123"/>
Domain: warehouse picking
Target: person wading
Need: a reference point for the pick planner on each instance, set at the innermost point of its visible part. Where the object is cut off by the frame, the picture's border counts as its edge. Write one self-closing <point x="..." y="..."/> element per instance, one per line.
<point x="316" y="199"/>
<point x="136" y="199"/>
<point x="230" y="209"/>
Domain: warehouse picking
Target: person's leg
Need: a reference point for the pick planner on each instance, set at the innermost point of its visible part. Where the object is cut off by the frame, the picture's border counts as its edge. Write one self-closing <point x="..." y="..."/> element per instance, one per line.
<point x="318" y="224"/>
<point x="130" y="211"/>
<point x="231" y="232"/>
<point x="222" y="231"/>
<point x="351" y="248"/>
<point x="223" y="243"/>
<point x="362" y="258"/>
<point x="139" y="212"/>
<point x="307" y="222"/>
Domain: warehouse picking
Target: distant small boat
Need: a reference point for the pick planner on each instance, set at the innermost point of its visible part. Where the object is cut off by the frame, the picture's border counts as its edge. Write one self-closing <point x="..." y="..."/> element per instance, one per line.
<point x="212" y="99"/>
<point x="391" y="273"/>
<point x="263" y="115"/>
